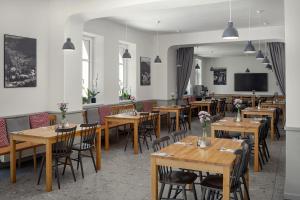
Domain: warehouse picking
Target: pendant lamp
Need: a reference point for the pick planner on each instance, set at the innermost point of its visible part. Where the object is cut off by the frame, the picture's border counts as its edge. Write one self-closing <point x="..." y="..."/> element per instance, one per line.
<point x="230" y="32"/>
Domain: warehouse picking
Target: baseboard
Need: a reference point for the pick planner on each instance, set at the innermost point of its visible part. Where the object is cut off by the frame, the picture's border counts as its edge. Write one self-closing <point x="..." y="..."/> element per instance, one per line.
<point x="291" y="196"/>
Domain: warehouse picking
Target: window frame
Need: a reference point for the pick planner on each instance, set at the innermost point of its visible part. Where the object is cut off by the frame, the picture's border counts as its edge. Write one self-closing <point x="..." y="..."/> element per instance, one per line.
<point x="89" y="60"/>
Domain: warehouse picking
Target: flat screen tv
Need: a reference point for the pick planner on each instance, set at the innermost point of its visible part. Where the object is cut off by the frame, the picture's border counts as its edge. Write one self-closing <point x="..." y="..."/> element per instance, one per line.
<point x="251" y="81"/>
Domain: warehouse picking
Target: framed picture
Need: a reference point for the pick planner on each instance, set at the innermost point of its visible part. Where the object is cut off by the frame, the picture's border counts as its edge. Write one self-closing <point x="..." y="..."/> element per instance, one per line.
<point x="19" y="62"/>
<point x="220" y="76"/>
<point x="145" y="72"/>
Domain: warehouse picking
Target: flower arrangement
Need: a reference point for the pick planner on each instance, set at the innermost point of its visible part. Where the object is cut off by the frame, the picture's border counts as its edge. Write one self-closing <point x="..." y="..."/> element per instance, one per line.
<point x="63" y="107"/>
<point x="238" y="103"/>
<point x="172" y="96"/>
<point x="132" y="98"/>
<point x="204" y="118"/>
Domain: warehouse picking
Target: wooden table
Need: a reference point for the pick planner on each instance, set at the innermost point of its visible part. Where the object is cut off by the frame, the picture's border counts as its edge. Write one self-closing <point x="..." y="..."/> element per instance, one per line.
<point x="193" y="158"/>
<point x="201" y="104"/>
<point x="46" y="136"/>
<point x="246" y="126"/>
<point x="174" y="109"/>
<point x="262" y="112"/>
<point x="278" y="104"/>
<point x="128" y="118"/>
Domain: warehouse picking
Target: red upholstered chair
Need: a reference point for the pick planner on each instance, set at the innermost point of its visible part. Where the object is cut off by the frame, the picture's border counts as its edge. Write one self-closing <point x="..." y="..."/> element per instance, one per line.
<point x="104" y="111"/>
<point x="3" y="134"/>
<point x="147" y="106"/>
<point x="39" y="120"/>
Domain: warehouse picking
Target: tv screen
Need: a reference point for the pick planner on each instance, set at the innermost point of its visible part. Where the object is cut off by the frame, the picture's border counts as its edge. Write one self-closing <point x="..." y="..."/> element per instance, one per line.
<point x="251" y="81"/>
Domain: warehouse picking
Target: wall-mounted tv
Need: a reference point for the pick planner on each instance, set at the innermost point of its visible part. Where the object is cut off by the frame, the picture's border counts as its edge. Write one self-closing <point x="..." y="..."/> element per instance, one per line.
<point x="251" y="81"/>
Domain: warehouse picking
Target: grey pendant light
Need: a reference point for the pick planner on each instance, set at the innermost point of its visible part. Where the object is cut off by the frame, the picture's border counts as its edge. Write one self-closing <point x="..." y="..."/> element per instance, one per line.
<point x="126" y="54"/>
<point x="197" y="66"/>
<point x="269" y="67"/>
<point x="259" y="56"/>
<point x="230" y="32"/>
<point x="68" y="45"/>
<point x="247" y="70"/>
<point x="266" y="59"/>
<point x="249" y="49"/>
<point x="157" y="59"/>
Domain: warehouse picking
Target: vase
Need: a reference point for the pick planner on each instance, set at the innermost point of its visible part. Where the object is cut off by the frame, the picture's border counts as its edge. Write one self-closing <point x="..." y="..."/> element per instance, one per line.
<point x="238" y="115"/>
<point x="93" y="100"/>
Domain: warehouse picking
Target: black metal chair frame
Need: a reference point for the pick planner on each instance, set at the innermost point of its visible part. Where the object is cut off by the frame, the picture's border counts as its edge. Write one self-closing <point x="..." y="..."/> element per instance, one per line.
<point x="62" y="149"/>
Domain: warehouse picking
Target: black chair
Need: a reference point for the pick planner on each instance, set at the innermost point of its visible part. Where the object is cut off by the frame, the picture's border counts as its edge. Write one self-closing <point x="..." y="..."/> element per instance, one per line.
<point x="222" y="104"/>
<point x="183" y="119"/>
<point x="142" y="131"/>
<point x="87" y="143"/>
<point x="212" y="185"/>
<point x="167" y="176"/>
<point x="62" y="149"/>
<point x="213" y="107"/>
<point x="151" y="125"/>
<point x="276" y="121"/>
<point x="179" y="135"/>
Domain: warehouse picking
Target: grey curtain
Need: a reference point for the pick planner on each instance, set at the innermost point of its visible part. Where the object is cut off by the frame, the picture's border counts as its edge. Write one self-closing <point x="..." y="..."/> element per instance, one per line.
<point x="277" y="55"/>
<point x="184" y="61"/>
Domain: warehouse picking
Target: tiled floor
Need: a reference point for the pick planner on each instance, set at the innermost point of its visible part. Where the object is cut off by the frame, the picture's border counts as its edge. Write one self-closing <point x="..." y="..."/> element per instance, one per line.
<point x="125" y="176"/>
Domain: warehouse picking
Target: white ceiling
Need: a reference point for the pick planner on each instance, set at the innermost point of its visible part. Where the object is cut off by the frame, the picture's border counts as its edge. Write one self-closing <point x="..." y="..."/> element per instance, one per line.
<point x="224" y="49"/>
<point x="200" y="15"/>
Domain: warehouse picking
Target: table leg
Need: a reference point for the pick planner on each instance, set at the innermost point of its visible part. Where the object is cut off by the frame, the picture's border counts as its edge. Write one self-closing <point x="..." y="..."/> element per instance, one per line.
<point x="256" y="158"/>
<point x="272" y="128"/>
<point x="158" y="127"/>
<point x="177" y="121"/>
<point x="135" y="137"/>
<point x="154" y="183"/>
<point x="34" y="161"/>
<point x="208" y="109"/>
<point x="106" y="135"/>
<point x="13" y="161"/>
<point x="226" y="183"/>
<point x="98" y="149"/>
<point x="190" y="118"/>
<point x="48" y="166"/>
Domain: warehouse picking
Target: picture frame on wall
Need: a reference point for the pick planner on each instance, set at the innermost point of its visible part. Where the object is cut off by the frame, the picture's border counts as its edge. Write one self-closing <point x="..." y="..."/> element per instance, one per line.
<point x="145" y="71"/>
<point x="220" y="76"/>
<point x="19" y="62"/>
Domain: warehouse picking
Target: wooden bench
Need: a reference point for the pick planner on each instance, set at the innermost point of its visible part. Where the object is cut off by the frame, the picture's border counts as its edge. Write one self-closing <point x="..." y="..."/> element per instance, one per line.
<point x="27" y="145"/>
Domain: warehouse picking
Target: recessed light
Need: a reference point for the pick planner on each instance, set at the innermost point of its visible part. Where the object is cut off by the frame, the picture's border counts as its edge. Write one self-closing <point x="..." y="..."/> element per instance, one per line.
<point x="259" y="11"/>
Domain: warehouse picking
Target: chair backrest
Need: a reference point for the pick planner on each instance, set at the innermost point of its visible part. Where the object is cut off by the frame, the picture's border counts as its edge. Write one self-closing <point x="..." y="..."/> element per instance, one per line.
<point x="88" y="135"/>
<point x="64" y="141"/>
<point x="139" y="106"/>
<point x="237" y="167"/>
<point x="179" y="135"/>
<point x="39" y="120"/>
<point x="104" y="111"/>
<point x="154" y="119"/>
<point x="92" y="116"/>
<point x="52" y="119"/>
<point x="222" y="105"/>
<point x="247" y="147"/>
<point x="17" y="124"/>
<point x="157" y="145"/>
<point x="277" y="115"/>
<point x="144" y="119"/>
<point x="3" y="134"/>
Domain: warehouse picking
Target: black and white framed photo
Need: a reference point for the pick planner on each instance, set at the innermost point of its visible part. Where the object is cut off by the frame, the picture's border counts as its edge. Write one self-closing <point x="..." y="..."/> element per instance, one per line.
<point x="220" y="76"/>
<point x="19" y="62"/>
<point x="145" y="71"/>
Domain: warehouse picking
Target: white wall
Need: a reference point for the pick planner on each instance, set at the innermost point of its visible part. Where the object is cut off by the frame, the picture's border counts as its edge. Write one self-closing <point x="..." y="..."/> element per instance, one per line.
<point x="29" y="19"/>
<point x="235" y="64"/>
<point x="112" y="34"/>
<point x="292" y="29"/>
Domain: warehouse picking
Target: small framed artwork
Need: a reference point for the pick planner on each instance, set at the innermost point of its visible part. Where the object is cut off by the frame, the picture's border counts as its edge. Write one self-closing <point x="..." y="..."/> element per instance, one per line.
<point x="145" y="71"/>
<point x="19" y="62"/>
<point x="220" y="76"/>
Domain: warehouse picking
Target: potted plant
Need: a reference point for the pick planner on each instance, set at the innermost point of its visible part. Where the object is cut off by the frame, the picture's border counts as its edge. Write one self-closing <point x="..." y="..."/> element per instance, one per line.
<point x="91" y="94"/>
<point x="238" y="104"/>
<point x="205" y="119"/>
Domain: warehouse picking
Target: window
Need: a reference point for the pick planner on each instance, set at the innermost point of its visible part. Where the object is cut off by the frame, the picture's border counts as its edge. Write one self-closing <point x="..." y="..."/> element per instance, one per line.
<point x="86" y="64"/>
<point x="123" y="69"/>
<point x="198" y="73"/>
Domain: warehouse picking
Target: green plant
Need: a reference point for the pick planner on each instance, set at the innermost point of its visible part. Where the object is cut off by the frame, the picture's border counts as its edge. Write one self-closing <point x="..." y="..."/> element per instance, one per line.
<point x="91" y="93"/>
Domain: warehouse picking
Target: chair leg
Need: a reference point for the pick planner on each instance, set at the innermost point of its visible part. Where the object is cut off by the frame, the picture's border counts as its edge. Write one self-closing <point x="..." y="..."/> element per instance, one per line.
<point x="65" y="165"/>
<point x="78" y="162"/>
<point x="235" y="196"/>
<point x="140" y="145"/>
<point x="93" y="159"/>
<point x="81" y="166"/>
<point x="245" y="187"/>
<point x="194" y="191"/>
<point x="184" y="193"/>
<point x="161" y="191"/>
<point x="203" y="193"/>
<point x="241" y="193"/>
<point x="72" y="169"/>
<point x="170" y="191"/>
<point x="127" y="139"/>
<point x="41" y="170"/>
<point x="267" y="149"/>
<point x="56" y="172"/>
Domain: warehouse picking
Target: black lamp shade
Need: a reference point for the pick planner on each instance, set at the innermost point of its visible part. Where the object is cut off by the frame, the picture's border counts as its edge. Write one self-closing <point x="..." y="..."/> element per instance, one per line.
<point x="126" y="54"/>
<point x="157" y="59"/>
<point x="249" y="48"/>
<point x="269" y="67"/>
<point x="197" y="67"/>
<point x="260" y="55"/>
<point x="230" y="32"/>
<point x="266" y="60"/>
<point x="68" y="45"/>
